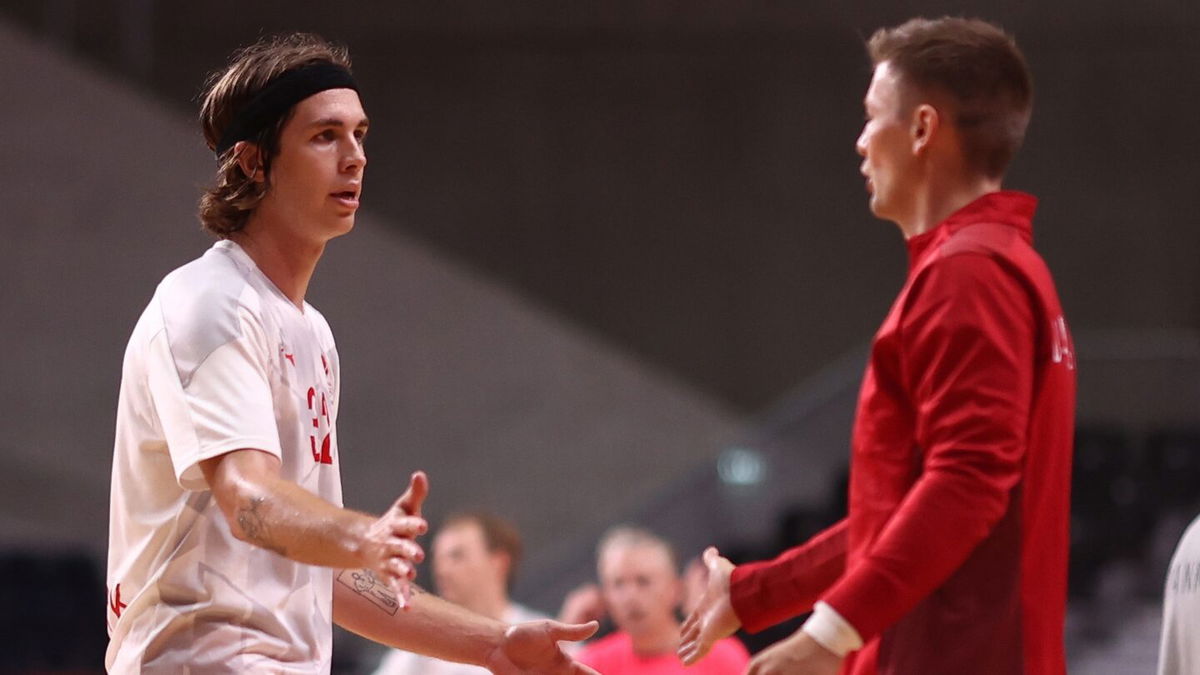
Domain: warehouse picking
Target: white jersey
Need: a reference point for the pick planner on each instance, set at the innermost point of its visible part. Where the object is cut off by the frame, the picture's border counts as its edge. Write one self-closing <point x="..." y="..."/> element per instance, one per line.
<point x="220" y="360"/>
<point x="1179" y="650"/>
<point x="398" y="662"/>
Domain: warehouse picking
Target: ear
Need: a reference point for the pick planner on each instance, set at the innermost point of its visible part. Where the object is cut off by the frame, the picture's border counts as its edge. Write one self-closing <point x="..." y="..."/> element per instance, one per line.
<point x="250" y="159"/>
<point x="926" y="122"/>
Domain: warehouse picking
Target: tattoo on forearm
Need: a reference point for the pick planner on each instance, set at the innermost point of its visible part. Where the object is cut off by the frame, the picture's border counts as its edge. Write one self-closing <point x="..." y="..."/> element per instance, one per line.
<point x="254" y="526"/>
<point x="367" y="585"/>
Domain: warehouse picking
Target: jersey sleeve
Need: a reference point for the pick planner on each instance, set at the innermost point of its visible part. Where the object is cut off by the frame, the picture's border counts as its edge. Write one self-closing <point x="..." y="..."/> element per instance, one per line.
<point x="765" y="593"/>
<point x="968" y="338"/>
<point x="217" y="403"/>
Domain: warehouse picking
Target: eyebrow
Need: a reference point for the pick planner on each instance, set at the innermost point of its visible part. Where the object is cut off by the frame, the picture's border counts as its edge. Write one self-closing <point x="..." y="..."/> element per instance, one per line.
<point x="335" y="122"/>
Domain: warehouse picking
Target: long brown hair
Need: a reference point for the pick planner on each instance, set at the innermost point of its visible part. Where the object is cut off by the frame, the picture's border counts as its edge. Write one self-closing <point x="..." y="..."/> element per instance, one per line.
<point x="225" y="207"/>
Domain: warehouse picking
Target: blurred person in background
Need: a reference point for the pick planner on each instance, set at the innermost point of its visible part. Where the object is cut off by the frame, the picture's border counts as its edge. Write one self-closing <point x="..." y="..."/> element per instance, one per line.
<point x="953" y="558"/>
<point x="475" y="558"/>
<point x="642" y="592"/>
<point x="1179" y="648"/>
<point x="229" y="548"/>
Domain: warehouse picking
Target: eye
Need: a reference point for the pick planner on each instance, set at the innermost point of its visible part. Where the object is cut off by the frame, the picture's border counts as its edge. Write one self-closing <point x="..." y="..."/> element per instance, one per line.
<point x="326" y="135"/>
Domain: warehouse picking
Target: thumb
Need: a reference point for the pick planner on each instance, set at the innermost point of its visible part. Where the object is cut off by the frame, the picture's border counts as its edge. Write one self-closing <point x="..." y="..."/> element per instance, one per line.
<point x="573" y="632"/>
<point x="418" y="487"/>
<point x="711" y="558"/>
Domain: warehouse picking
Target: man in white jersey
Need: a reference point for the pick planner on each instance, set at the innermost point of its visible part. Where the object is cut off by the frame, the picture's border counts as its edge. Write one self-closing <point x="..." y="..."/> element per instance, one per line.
<point x="475" y="556"/>
<point x="229" y="550"/>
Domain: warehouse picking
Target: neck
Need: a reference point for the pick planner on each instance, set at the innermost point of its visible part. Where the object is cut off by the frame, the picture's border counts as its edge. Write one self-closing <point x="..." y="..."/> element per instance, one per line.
<point x="662" y="640"/>
<point x="942" y="197"/>
<point x="288" y="261"/>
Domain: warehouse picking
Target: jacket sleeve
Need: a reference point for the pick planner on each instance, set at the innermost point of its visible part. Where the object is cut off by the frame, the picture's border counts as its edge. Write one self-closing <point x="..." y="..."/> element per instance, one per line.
<point x="968" y="339"/>
<point x="765" y="593"/>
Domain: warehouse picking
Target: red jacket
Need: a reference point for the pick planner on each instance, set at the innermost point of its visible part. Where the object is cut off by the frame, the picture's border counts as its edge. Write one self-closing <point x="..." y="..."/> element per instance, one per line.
<point x="953" y="558"/>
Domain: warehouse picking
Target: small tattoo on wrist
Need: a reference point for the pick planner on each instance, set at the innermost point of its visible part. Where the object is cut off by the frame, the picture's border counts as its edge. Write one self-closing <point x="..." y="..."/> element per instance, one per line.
<point x="365" y="583"/>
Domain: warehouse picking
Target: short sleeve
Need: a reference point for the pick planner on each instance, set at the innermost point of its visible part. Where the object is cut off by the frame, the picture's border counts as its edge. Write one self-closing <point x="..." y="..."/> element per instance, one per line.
<point x="220" y="403"/>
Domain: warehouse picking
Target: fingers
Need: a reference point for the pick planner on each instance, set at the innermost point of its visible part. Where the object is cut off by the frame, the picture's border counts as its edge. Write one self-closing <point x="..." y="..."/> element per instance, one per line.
<point x="691" y="625"/>
<point x="405" y="527"/>
<point x="691" y="646"/>
<point x="405" y="549"/>
<point x="399" y="568"/>
<point x="403" y="590"/>
<point x="572" y="632"/>
<point x="691" y="652"/>
<point x="418" y="488"/>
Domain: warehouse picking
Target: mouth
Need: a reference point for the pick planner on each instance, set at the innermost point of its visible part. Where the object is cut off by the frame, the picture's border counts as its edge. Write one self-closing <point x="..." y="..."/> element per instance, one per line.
<point x="634" y="615"/>
<point x="347" y="198"/>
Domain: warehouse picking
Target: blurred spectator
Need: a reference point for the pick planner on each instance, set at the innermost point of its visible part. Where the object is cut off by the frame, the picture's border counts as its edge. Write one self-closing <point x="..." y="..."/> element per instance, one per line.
<point x="642" y="591"/>
<point x="475" y="557"/>
<point x="1179" y="649"/>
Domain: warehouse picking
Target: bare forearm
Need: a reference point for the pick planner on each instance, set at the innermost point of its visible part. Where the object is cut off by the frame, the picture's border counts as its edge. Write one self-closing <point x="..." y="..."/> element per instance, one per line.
<point x="364" y="605"/>
<point x="283" y="517"/>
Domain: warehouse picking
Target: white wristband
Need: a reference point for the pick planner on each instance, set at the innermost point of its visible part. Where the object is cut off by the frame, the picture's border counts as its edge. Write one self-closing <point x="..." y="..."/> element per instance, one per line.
<point x="831" y="631"/>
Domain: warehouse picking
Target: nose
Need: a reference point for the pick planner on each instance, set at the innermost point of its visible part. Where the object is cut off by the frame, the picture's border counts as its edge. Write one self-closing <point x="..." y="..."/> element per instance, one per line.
<point x="355" y="158"/>
<point x="860" y="145"/>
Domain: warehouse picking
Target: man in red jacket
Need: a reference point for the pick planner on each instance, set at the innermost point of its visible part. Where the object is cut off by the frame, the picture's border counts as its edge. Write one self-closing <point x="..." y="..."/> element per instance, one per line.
<point x="953" y="557"/>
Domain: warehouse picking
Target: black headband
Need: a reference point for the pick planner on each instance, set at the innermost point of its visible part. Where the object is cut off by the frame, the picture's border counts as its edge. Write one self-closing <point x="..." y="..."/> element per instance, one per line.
<point x="280" y="94"/>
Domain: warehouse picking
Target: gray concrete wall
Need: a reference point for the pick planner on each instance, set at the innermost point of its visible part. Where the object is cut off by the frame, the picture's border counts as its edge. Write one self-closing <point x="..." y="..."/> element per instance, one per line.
<point x="679" y="175"/>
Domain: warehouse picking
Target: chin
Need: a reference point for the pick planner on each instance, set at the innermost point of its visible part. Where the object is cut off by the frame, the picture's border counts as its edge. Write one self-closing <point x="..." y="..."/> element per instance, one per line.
<point x="342" y="226"/>
<point x="878" y="209"/>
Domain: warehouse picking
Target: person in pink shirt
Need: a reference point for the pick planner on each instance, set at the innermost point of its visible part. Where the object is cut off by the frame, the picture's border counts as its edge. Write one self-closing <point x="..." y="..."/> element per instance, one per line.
<point x="642" y="591"/>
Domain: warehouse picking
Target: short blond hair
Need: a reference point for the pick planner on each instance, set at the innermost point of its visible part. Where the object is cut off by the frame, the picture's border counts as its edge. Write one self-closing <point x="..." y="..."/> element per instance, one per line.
<point x="629" y="536"/>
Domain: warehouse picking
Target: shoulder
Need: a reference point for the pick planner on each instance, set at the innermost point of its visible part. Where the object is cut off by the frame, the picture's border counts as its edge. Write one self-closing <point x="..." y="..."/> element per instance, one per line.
<point x="204" y="305"/>
<point x="986" y="238"/>
<point x="964" y="267"/>
<point x="964" y="281"/>
<point x="989" y="250"/>
<point x="970" y="289"/>
<point x="1189" y="543"/>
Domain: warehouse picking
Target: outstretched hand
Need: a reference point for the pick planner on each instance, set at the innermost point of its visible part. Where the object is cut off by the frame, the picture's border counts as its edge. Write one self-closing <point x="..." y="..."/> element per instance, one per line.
<point x="532" y="648"/>
<point x="390" y="548"/>
<point x="713" y="618"/>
